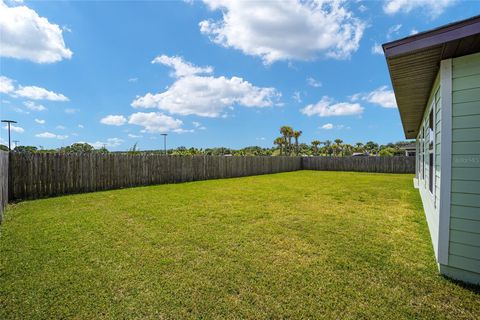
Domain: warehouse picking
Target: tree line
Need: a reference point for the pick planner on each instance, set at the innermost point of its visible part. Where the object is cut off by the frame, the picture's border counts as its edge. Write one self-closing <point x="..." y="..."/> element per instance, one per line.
<point x="287" y="144"/>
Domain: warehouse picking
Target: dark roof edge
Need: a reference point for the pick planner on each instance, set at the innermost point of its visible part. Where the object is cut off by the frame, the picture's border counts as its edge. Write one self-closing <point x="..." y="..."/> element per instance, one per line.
<point x="437" y="36"/>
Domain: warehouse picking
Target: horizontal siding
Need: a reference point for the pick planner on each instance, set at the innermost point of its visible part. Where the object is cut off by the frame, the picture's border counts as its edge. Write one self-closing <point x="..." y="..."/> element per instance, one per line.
<point x="464" y="246"/>
<point x="471" y="147"/>
<point x="465" y="225"/>
<point x="465" y="66"/>
<point x="467" y="161"/>
<point x="466" y="109"/>
<point x="462" y="170"/>
<point x="466" y="199"/>
<point x="466" y="122"/>
<point x="464" y="263"/>
<point x="466" y="135"/>
<point x="466" y="186"/>
<point x="464" y="237"/>
<point x="467" y="95"/>
<point x="463" y="212"/>
<point x="465" y="250"/>
<point x="466" y="82"/>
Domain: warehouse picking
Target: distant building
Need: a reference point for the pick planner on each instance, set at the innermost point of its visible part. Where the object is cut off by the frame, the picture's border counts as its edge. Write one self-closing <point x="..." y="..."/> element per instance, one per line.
<point x="436" y="80"/>
<point x="410" y="150"/>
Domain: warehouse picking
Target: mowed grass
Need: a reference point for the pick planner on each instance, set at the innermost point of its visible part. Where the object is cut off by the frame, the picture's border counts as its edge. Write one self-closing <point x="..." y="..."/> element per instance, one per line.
<point x="305" y="244"/>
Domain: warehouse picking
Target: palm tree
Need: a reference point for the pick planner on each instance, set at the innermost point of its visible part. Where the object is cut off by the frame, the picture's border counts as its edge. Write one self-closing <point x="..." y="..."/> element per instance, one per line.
<point x="279" y="142"/>
<point x="347" y="150"/>
<point x="328" y="145"/>
<point x="315" y="144"/>
<point x="359" y="147"/>
<point x="287" y="133"/>
<point x="296" y="135"/>
<point x="338" y="143"/>
<point x="371" y="147"/>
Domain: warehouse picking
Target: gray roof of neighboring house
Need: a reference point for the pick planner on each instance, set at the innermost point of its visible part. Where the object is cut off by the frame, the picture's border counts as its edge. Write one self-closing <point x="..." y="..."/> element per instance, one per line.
<point x="413" y="63"/>
<point x="410" y="146"/>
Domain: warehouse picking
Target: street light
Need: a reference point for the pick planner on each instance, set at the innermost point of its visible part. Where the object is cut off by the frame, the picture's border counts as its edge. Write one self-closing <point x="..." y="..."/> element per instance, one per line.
<point x="165" y="142"/>
<point x="8" y="122"/>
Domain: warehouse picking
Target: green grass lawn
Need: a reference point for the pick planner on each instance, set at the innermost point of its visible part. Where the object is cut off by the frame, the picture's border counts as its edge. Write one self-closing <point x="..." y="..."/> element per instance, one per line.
<point x="304" y="244"/>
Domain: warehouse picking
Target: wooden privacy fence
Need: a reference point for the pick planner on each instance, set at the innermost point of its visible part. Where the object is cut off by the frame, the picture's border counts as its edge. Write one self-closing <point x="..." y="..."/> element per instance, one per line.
<point x="39" y="175"/>
<point x="361" y="164"/>
<point x="3" y="182"/>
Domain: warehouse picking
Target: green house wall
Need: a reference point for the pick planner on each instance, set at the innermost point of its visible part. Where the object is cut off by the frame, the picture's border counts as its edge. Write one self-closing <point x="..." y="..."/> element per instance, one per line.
<point x="464" y="242"/>
<point x="454" y="225"/>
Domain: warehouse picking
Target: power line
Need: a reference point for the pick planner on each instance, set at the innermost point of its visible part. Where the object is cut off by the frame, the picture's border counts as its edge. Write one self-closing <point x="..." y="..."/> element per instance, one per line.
<point x="165" y="142"/>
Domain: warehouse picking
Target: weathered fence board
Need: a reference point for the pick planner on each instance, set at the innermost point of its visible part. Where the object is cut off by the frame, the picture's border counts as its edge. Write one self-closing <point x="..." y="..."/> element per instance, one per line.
<point x="40" y="175"/>
<point x="3" y="182"/>
<point x="361" y="164"/>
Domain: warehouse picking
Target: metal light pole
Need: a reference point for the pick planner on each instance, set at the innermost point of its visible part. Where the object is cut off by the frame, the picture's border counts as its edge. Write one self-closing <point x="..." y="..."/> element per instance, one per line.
<point x="165" y="142"/>
<point x="8" y="122"/>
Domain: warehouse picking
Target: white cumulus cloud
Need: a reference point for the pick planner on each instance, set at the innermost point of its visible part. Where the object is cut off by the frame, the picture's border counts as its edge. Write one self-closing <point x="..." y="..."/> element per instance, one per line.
<point x="206" y="96"/>
<point x="383" y="96"/>
<point x="110" y="143"/>
<point x="326" y="107"/>
<point x="14" y="128"/>
<point x="38" y="93"/>
<point x="330" y="126"/>
<point x="26" y="35"/>
<point x="313" y="82"/>
<point x="49" y="135"/>
<point x="432" y="7"/>
<point x="6" y="85"/>
<point x="155" y="122"/>
<point x="297" y="97"/>
<point x="181" y="67"/>
<point x="71" y="110"/>
<point x="33" y="106"/>
<point x="393" y="30"/>
<point x="285" y="30"/>
<point x="377" y="49"/>
<point x="114" y="120"/>
<point x="39" y="121"/>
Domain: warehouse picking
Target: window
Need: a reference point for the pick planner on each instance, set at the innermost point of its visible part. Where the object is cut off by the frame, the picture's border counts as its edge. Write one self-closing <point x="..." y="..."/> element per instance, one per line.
<point x="421" y="173"/>
<point x="431" y="134"/>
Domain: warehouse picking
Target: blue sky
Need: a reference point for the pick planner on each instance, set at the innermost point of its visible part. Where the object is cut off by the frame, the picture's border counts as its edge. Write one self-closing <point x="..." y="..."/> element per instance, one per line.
<point x="212" y="73"/>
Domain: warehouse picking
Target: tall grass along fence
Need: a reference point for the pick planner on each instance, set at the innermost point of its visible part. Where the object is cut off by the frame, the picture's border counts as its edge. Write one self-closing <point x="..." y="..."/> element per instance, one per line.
<point x="3" y="182"/>
<point x="40" y="175"/>
<point x="361" y="164"/>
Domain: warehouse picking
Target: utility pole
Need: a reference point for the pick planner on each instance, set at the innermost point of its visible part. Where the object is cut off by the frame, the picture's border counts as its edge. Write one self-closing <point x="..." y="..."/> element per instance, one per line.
<point x="16" y="142"/>
<point x="8" y="122"/>
<point x="165" y="142"/>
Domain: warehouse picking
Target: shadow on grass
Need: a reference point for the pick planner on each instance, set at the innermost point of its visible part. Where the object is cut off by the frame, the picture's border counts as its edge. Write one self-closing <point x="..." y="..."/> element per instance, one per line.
<point x="475" y="288"/>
